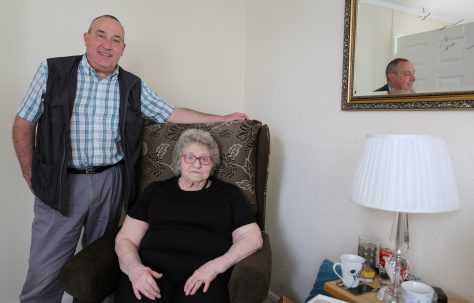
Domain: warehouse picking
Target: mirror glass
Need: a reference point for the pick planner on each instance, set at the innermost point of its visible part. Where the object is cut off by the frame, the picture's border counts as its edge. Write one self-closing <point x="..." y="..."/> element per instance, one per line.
<point x="436" y="36"/>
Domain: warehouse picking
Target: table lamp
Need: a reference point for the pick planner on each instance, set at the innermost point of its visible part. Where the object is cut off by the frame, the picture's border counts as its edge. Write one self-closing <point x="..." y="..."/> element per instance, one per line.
<point x="405" y="174"/>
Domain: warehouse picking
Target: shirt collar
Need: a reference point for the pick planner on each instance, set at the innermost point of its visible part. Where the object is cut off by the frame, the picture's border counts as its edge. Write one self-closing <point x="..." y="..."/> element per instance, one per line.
<point x="89" y="70"/>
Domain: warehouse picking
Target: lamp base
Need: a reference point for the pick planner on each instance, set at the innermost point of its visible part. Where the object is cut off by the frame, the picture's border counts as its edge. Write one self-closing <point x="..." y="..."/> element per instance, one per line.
<point x="393" y="294"/>
<point x="397" y="267"/>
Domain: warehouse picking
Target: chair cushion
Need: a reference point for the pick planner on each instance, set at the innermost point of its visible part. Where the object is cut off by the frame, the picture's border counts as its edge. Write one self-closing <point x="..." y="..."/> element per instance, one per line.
<point x="237" y="144"/>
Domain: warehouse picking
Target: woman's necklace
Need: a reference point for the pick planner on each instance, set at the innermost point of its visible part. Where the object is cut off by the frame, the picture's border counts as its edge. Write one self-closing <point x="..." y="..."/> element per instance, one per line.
<point x="182" y="184"/>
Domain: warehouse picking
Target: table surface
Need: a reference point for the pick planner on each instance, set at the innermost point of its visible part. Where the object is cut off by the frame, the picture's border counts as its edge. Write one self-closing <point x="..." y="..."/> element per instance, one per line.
<point x="370" y="297"/>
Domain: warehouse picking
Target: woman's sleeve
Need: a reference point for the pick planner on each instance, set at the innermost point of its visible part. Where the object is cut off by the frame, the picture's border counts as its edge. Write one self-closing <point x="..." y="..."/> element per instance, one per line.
<point x="242" y="214"/>
<point x="139" y="210"/>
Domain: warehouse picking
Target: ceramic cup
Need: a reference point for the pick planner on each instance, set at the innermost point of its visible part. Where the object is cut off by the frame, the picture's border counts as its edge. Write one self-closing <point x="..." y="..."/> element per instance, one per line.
<point x="417" y="292"/>
<point x="350" y="267"/>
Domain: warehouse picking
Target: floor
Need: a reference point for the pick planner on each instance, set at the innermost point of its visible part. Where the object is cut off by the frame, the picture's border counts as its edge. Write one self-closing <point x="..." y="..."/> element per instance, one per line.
<point x="66" y="298"/>
<point x="272" y="298"/>
<point x="269" y="300"/>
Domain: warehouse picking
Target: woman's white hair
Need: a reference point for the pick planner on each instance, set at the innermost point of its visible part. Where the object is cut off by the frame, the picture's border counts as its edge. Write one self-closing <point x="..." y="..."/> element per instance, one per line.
<point x="194" y="135"/>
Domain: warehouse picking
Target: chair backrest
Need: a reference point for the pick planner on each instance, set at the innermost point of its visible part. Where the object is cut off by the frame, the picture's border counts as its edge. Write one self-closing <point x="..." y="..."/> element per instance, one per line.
<point x="244" y="147"/>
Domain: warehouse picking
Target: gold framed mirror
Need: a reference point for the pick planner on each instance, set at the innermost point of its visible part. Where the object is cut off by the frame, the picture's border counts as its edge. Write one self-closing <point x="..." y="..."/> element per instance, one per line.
<point x="440" y="47"/>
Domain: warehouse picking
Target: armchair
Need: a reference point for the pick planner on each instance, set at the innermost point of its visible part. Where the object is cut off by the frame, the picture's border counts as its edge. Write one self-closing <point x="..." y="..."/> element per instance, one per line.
<point x="92" y="275"/>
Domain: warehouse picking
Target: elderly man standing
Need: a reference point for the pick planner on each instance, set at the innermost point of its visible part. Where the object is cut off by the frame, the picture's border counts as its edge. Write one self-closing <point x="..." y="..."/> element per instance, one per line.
<point x="76" y="135"/>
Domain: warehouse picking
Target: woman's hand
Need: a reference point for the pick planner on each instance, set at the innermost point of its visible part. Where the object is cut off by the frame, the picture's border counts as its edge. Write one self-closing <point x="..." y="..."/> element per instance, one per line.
<point x="246" y="240"/>
<point x="204" y="275"/>
<point x="143" y="282"/>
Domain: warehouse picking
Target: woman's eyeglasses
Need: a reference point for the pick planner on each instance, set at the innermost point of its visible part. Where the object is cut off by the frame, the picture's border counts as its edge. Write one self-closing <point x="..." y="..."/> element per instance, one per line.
<point x="191" y="158"/>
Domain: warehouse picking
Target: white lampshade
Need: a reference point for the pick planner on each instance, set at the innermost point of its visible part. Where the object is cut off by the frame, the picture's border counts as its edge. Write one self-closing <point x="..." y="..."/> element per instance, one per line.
<point x="405" y="173"/>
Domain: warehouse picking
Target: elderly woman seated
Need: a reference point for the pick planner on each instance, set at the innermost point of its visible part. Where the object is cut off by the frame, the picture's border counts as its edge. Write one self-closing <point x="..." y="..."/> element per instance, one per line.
<point x="183" y="235"/>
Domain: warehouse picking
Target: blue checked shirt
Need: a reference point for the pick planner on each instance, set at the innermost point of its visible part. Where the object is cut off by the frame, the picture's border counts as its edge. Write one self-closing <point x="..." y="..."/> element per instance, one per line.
<point x="94" y="136"/>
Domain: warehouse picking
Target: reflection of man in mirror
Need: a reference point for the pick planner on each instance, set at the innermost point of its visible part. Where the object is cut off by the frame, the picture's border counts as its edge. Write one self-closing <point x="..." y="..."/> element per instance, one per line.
<point x="400" y="75"/>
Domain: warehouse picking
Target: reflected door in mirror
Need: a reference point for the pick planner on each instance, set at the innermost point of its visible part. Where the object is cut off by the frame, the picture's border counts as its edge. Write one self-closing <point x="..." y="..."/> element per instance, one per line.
<point x="442" y="58"/>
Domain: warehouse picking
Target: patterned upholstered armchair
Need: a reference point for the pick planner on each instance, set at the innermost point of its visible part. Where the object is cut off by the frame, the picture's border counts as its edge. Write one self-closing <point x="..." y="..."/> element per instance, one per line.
<point x="92" y="274"/>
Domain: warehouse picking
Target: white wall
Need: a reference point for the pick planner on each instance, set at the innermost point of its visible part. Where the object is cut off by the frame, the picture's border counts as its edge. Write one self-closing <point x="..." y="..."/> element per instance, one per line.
<point x="293" y="83"/>
<point x="192" y="53"/>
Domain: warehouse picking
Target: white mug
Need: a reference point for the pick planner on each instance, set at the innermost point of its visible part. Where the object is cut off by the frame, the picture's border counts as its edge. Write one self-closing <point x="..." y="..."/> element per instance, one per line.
<point x="417" y="292"/>
<point x="350" y="266"/>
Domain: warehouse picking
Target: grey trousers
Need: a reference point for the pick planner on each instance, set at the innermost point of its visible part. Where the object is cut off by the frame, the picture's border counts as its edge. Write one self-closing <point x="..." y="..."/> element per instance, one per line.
<point x="93" y="204"/>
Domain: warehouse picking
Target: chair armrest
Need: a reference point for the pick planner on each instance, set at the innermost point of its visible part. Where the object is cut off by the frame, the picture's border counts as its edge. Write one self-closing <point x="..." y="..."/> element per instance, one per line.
<point x="250" y="279"/>
<point x="94" y="272"/>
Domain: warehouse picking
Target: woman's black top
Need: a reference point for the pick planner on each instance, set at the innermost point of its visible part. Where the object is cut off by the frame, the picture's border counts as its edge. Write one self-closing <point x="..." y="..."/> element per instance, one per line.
<point x="188" y="228"/>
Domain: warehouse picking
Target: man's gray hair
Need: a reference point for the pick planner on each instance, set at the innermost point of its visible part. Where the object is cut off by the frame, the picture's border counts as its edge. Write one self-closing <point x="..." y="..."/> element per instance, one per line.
<point x="194" y="135"/>
<point x="392" y="66"/>
<point x="105" y="16"/>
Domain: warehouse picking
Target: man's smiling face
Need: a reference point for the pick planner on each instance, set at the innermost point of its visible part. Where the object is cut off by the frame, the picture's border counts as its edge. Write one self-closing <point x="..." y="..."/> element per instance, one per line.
<point x="104" y="45"/>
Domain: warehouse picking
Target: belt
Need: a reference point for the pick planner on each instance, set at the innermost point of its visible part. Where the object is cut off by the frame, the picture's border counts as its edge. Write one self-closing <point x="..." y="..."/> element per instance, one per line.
<point x="90" y="170"/>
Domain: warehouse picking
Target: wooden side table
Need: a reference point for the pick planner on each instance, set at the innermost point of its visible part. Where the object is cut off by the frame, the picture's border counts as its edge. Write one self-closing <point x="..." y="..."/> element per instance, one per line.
<point x="342" y="294"/>
<point x="370" y="297"/>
